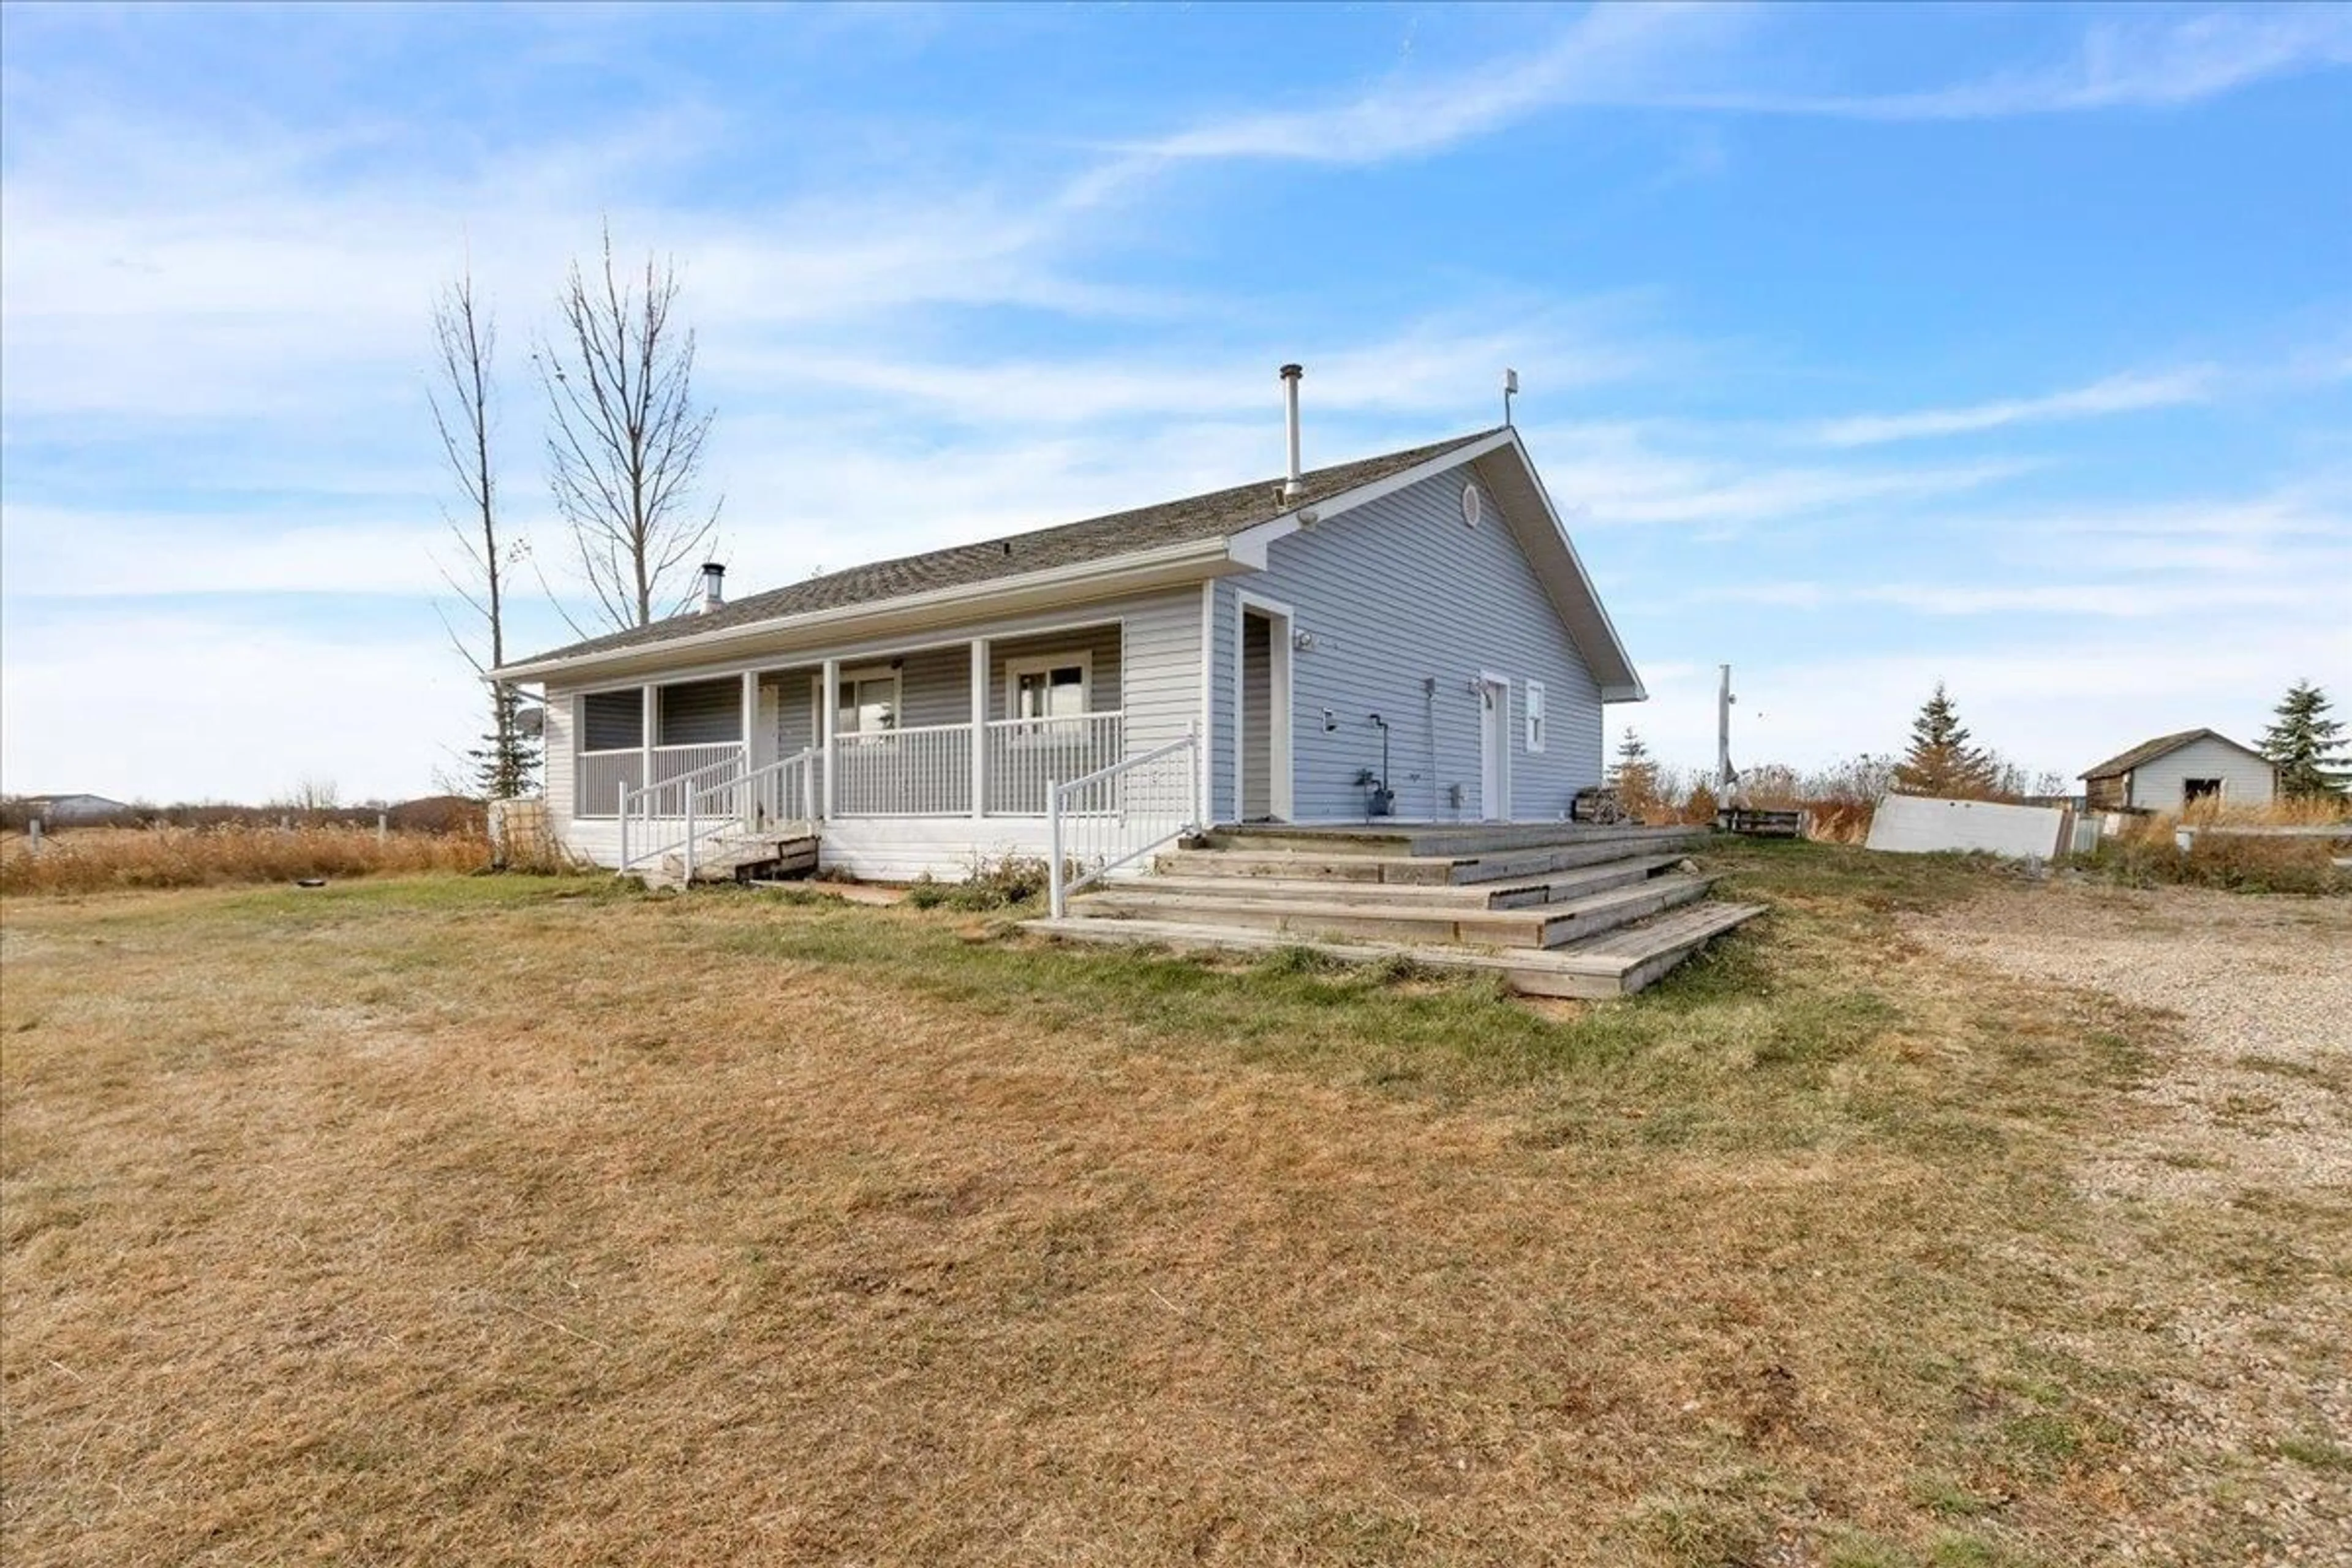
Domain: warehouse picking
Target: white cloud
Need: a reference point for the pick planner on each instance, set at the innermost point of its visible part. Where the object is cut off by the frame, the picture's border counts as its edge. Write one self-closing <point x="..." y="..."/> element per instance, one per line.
<point x="2115" y="394"/>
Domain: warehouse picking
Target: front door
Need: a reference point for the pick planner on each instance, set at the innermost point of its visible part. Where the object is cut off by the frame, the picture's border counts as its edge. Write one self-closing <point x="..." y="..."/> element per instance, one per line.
<point x="1494" y="748"/>
<point x="1264" y="763"/>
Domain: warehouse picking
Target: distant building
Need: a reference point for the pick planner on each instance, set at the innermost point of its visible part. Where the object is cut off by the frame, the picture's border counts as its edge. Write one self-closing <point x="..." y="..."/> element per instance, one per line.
<point x="2173" y="772"/>
<point x="66" y="810"/>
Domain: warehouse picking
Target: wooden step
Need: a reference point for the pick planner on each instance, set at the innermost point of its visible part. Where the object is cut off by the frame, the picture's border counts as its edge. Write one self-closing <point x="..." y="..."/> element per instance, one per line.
<point x="1523" y="893"/>
<point x="1636" y="957"/>
<point x="1409" y="870"/>
<point x="1546" y="925"/>
<point x="728" y="859"/>
<point x="1447" y="839"/>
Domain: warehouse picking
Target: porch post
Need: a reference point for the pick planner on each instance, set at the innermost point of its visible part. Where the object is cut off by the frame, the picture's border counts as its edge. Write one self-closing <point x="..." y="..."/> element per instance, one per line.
<point x="752" y="761"/>
<point x="979" y="727"/>
<point x="832" y="708"/>
<point x="649" y="734"/>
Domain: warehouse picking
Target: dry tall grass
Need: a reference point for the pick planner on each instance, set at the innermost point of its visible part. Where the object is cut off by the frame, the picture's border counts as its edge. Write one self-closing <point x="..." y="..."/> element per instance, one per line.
<point x="2146" y="854"/>
<point x="91" y="859"/>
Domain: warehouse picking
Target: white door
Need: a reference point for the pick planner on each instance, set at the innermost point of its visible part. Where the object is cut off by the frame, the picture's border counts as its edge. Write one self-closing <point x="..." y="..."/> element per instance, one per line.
<point x="1494" y="748"/>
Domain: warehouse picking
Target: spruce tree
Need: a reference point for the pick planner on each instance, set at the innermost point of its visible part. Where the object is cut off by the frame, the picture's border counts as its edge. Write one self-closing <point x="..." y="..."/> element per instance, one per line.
<point x="1940" y="760"/>
<point x="2305" y="745"/>
<point x="1634" y="773"/>
<point x="506" y="765"/>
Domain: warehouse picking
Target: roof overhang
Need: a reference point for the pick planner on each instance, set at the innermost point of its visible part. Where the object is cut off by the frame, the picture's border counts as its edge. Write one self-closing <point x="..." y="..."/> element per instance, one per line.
<point x="1503" y="462"/>
<point x="1173" y="565"/>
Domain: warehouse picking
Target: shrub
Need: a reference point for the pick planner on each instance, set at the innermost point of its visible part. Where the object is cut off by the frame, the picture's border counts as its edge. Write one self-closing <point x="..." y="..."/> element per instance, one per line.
<point x="2146" y="856"/>
<point x="1016" y="879"/>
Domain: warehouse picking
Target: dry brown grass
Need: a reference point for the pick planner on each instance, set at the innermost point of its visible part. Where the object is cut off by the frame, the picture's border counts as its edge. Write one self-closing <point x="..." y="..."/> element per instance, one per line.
<point x="492" y="1222"/>
<point x="90" y="859"/>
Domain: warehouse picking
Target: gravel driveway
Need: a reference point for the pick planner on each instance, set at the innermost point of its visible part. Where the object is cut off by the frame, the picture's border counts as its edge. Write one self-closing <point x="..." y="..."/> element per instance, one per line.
<point x="2245" y="1150"/>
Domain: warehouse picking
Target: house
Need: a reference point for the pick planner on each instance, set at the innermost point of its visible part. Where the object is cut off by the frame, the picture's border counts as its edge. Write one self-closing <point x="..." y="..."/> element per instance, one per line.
<point x="1408" y="636"/>
<point x="2173" y="772"/>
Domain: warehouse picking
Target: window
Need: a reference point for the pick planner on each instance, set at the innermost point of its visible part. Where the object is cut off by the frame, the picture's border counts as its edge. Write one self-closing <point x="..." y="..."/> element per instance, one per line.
<point x="700" y="713"/>
<point x="1535" y="716"/>
<point x="1049" y="686"/>
<point x="612" y="720"/>
<point x="869" y="702"/>
<point x="2194" y="790"/>
<point x="1474" y="504"/>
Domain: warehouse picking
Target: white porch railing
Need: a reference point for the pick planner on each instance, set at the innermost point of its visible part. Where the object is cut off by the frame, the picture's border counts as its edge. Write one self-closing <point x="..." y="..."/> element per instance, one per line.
<point x="920" y="771"/>
<point x="765" y="799"/>
<point x="1026" y="755"/>
<point x="660" y="819"/>
<point x="1119" y="813"/>
<point x="601" y="773"/>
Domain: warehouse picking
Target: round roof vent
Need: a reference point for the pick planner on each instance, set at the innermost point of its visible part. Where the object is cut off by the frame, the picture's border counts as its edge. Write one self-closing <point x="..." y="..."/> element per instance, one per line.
<point x="1474" y="504"/>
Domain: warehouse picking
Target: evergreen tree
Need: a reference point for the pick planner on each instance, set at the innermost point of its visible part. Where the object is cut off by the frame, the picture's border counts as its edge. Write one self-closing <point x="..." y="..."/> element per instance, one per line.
<point x="1635" y="773"/>
<point x="1940" y="760"/>
<point x="2306" y="745"/>
<point x="506" y="765"/>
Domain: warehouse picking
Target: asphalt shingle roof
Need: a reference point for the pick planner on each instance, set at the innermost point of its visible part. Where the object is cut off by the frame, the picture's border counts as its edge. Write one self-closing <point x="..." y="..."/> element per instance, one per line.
<point x="2148" y="750"/>
<point x="1213" y="515"/>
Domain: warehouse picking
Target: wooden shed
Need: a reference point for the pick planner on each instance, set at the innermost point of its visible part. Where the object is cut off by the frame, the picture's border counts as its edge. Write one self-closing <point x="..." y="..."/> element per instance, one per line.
<point x="2173" y="772"/>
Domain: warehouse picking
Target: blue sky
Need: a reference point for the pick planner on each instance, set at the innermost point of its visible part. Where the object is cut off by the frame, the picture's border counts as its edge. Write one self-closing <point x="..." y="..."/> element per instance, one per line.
<point x="2011" y="347"/>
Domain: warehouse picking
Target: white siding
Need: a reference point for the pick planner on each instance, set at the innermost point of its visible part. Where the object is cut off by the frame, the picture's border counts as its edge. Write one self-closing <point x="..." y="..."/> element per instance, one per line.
<point x="1396" y="594"/>
<point x="563" y="721"/>
<point x="2245" y="781"/>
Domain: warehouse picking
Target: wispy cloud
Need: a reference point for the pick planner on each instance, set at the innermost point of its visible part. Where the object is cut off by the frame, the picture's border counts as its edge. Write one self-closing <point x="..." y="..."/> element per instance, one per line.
<point x="2115" y="394"/>
<point x="2117" y="65"/>
<point x="1605" y="55"/>
<point x="1675" y="57"/>
<point x="1606" y="476"/>
<point x="2117" y="600"/>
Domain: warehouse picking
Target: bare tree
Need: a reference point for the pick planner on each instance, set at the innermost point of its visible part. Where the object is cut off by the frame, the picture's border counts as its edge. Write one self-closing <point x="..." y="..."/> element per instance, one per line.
<point x="464" y="341"/>
<point x="624" y="446"/>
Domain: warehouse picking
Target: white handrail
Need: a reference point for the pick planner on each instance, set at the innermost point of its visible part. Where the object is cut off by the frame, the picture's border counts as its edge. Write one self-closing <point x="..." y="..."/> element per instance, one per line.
<point x="1116" y="815"/>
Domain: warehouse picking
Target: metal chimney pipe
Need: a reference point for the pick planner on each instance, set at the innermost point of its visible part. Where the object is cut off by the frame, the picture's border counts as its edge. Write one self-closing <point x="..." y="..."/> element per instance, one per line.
<point x="1290" y="375"/>
<point x="713" y="595"/>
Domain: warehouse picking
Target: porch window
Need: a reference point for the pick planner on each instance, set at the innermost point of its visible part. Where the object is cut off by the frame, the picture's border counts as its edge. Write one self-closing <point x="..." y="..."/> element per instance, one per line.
<point x="701" y="713"/>
<point x="1050" y="685"/>
<point x="612" y="720"/>
<point x="869" y="702"/>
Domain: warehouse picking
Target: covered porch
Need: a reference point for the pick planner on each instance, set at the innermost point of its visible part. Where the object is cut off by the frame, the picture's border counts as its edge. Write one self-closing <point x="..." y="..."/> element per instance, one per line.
<point x="978" y="728"/>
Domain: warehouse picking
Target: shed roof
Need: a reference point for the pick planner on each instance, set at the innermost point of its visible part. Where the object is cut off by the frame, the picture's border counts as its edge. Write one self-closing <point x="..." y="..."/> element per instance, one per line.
<point x="2148" y="750"/>
<point x="1216" y="515"/>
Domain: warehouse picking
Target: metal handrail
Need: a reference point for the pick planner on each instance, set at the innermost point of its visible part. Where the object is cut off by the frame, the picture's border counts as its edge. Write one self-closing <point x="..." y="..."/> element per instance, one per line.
<point x="1060" y="883"/>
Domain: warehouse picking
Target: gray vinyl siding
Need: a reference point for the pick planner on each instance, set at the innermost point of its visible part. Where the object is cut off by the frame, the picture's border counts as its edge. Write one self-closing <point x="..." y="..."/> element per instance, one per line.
<point x="1395" y="594"/>
<point x="935" y="688"/>
<point x="1159" y="670"/>
<point x="2156" y="785"/>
